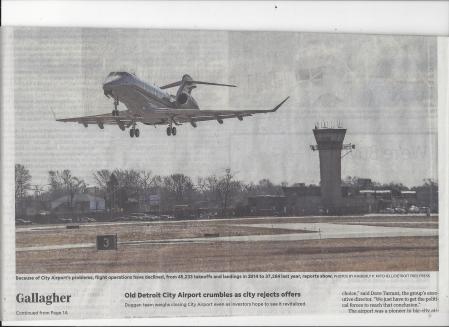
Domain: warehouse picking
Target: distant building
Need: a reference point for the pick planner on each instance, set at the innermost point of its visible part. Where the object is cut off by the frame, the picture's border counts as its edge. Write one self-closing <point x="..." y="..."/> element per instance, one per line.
<point x="303" y="200"/>
<point x="35" y="207"/>
<point x="404" y="199"/>
<point x="268" y="205"/>
<point x="427" y="196"/>
<point x="81" y="202"/>
<point x="364" y="183"/>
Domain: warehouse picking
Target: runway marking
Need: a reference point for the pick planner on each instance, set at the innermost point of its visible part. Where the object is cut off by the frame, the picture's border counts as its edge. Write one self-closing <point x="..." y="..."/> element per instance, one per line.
<point x="56" y="247"/>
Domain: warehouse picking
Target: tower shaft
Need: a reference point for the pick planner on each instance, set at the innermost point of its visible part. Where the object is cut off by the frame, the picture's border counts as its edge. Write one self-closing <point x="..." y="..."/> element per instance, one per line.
<point x="329" y="144"/>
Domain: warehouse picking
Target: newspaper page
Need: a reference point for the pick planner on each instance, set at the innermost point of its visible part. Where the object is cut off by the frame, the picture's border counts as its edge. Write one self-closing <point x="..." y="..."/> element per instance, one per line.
<point x="176" y="173"/>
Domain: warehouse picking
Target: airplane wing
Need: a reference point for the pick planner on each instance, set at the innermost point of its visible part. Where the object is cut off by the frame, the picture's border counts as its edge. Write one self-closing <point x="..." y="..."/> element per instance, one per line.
<point x="195" y="115"/>
<point x="123" y="120"/>
<point x="163" y="116"/>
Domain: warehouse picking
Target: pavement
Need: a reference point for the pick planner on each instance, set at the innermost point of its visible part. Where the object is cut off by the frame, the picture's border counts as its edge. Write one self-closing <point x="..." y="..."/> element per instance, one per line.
<point x="314" y="231"/>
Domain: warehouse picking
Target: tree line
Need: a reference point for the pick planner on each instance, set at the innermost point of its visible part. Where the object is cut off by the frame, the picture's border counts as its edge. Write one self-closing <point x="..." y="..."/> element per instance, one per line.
<point x="223" y="190"/>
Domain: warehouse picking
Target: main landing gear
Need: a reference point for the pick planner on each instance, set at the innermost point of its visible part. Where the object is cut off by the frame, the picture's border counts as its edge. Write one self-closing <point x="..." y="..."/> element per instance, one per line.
<point x="133" y="131"/>
<point x="115" y="111"/>
<point x="171" y="130"/>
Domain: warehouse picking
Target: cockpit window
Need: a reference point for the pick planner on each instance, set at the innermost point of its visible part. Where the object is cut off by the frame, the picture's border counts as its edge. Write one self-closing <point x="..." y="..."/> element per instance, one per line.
<point x="113" y="76"/>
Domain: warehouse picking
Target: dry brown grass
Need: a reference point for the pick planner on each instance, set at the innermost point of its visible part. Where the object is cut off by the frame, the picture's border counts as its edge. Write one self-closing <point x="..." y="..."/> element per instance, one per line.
<point x="370" y="254"/>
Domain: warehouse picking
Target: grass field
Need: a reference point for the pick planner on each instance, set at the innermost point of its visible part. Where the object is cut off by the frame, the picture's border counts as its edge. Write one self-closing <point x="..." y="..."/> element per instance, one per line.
<point x="364" y="243"/>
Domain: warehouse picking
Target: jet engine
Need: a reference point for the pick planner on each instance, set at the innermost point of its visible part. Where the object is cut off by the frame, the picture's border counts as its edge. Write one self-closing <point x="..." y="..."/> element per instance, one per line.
<point x="185" y="100"/>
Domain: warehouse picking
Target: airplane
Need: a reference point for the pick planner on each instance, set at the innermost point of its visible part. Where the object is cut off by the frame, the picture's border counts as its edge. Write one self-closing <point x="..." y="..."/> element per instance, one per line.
<point x="152" y="105"/>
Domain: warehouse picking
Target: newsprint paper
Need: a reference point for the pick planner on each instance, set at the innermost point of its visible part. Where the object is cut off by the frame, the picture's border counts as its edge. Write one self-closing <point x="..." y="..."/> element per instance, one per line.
<point x="170" y="173"/>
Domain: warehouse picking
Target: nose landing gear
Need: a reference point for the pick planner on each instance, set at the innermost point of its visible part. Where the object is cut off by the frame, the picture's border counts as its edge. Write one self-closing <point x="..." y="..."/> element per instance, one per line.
<point x="115" y="111"/>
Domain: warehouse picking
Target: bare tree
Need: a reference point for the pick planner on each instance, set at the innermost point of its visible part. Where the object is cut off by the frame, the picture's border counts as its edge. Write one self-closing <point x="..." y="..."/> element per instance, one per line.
<point x="128" y="179"/>
<point x="146" y="180"/>
<point x="223" y="189"/>
<point x="147" y="184"/>
<point x="429" y="182"/>
<point x="129" y="183"/>
<point x="201" y="185"/>
<point x="22" y="185"/>
<point x="157" y="181"/>
<point x="102" y="178"/>
<point x="266" y="187"/>
<point x="227" y="188"/>
<point x="180" y="186"/>
<point x="64" y="182"/>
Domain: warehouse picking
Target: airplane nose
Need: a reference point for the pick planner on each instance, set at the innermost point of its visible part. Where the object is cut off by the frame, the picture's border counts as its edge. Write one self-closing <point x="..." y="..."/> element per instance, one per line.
<point x="107" y="93"/>
<point x="107" y="89"/>
<point x="112" y="80"/>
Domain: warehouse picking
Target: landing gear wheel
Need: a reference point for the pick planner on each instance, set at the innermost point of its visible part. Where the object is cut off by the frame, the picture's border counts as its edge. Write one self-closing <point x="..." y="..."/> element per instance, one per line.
<point x="131" y="132"/>
<point x="173" y="131"/>
<point x="137" y="132"/>
<point x="168" y="131"/>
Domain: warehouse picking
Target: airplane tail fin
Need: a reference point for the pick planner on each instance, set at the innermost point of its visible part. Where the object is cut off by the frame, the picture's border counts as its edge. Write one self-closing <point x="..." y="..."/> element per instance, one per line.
<point x="188" y="81"/>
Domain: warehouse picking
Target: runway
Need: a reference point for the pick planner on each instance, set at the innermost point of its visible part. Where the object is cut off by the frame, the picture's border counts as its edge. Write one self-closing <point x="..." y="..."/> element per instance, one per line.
<point x="308" y="231"/>
<point x="21" y="229"/>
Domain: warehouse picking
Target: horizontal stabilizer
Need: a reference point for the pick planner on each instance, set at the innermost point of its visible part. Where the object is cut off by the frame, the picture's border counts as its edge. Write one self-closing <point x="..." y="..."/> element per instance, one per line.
<point x="171" y="85"/>
<point x="190" y="82"/>
<point x="209" y="83"/>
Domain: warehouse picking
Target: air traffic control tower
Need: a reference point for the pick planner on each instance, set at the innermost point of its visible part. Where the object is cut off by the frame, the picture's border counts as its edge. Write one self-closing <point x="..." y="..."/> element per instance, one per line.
<point x="329" y="145"/>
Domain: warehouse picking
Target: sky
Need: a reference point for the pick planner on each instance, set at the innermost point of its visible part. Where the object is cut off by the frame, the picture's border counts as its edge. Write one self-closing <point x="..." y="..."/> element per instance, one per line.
<point x="381" y="88"/>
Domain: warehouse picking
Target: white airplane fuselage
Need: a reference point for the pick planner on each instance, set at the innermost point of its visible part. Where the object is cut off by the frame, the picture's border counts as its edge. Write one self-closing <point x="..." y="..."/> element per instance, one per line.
<point x="140" y="97"/>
